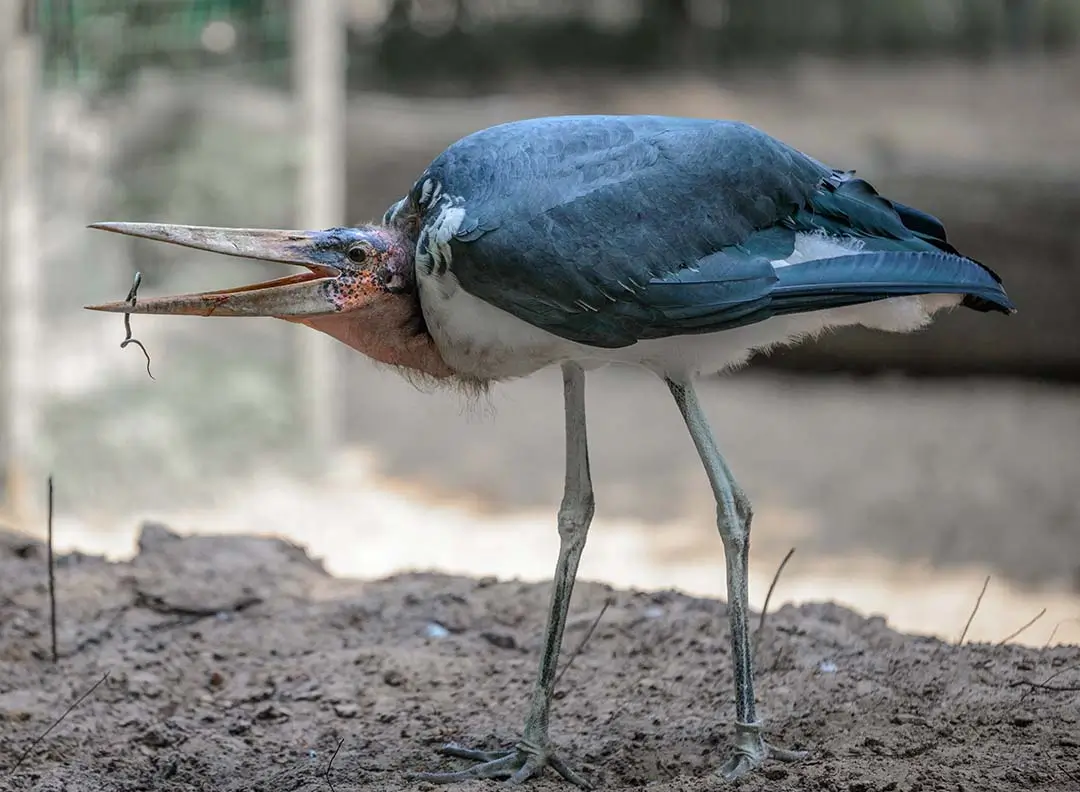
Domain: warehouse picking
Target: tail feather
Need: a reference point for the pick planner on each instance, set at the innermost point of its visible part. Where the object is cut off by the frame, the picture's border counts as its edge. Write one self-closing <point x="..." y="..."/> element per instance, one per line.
<point x="865" y="277"/>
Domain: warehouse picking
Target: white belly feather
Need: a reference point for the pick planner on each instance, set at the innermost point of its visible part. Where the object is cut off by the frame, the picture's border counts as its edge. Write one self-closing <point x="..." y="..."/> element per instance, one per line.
<point x="482" y="341"/>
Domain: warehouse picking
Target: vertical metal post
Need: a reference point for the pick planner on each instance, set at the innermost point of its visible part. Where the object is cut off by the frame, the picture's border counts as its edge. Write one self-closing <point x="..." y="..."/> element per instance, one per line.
<point x="20" y="269"/>
<point x="319" y="58"/>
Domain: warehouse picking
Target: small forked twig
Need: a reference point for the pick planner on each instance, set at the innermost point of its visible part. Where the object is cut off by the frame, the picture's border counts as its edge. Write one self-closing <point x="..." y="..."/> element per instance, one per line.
<point x="974" y="610"/>
<point x="132" y="298"/>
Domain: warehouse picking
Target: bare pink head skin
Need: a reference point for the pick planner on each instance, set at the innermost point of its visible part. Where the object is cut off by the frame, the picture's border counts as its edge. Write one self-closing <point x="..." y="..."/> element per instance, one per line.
<point x="360" y="286"/>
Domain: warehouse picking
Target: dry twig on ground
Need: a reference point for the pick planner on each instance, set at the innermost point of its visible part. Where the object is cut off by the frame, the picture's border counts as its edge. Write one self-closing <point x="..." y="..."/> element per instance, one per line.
<point x="55" y="723"/>
<point x="52" y="575"/>
<point x="768" y="597"/>
<point x="592" y="628"/>
<point x="1013" y="635"/>
<point x="974" y="610"/>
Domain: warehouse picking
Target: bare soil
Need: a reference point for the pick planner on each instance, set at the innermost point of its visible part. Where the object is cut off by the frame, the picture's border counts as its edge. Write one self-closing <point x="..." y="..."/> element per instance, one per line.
<point x="239" y="663"/>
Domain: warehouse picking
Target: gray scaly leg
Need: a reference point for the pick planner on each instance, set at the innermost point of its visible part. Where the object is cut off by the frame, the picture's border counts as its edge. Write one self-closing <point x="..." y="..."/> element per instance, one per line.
<point x="534" y="752"/>
<point x="733" y="515"/>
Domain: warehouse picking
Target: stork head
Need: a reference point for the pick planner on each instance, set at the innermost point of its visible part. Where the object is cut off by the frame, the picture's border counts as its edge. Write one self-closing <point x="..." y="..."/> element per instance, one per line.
<point x="360" y="286"/>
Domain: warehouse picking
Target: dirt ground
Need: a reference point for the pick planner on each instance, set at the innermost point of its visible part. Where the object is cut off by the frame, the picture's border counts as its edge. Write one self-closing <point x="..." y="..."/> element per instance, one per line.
<point x="239" y="663"/>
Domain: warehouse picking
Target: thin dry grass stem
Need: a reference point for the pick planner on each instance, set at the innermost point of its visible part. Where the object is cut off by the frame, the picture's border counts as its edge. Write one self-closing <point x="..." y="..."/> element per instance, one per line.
<point x="55" y="723"/>
<point x="1013" y="635"/>
<point x="1059" y="672"/>
<point x="768" y="597"/>
<point x="52" y="575"/>
<point x="592" y="628"/>
<point x="974" y="610"/>
<point x="1045" y="684"/>
<point x="1053" y="632"/>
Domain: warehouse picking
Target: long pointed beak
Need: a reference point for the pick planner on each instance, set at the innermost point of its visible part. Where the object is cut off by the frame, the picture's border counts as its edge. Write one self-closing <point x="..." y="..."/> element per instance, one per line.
<point x="303" y="294"/>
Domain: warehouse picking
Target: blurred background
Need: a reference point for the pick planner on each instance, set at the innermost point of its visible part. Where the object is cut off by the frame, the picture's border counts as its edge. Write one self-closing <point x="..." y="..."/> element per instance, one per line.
<point x="905" y="469"/>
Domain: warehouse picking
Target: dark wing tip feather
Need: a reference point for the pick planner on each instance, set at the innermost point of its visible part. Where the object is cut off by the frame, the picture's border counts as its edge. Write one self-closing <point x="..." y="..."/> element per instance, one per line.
<point x="932" y="230"/>
<point x="848" y="204"/>
<point x="892" y="274"/>
<point x="984" y="305"/>
<point x="920" y="222"/>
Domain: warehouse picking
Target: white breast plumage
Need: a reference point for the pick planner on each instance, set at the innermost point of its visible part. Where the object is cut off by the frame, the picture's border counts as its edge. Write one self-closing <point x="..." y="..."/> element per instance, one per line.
<point x="482" y="341"/>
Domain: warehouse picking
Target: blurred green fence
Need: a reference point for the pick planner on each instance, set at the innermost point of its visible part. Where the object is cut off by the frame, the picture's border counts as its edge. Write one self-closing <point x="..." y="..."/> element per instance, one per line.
<point x="106" y="43"/>
<point x="426" y="45"/>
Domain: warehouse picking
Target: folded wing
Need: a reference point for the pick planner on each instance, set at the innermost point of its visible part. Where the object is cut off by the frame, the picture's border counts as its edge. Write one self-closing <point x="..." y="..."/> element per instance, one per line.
<point x="608" y="230"/>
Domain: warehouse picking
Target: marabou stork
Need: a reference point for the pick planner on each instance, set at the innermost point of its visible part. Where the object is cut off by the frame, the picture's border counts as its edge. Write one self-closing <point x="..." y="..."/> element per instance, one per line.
<point x="678" y="245"/>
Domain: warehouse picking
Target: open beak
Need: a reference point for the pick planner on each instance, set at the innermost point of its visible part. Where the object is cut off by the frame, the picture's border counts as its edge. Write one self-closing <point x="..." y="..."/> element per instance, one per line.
<point x="303" y="294"/>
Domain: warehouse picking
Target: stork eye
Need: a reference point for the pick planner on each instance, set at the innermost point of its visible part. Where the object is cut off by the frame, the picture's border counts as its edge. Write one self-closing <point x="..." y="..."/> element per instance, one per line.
<point x="357" y="253"/>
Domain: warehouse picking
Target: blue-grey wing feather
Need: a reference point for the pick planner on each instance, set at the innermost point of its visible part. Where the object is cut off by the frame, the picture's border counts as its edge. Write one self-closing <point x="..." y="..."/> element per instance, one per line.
<point x="607" y="230"/>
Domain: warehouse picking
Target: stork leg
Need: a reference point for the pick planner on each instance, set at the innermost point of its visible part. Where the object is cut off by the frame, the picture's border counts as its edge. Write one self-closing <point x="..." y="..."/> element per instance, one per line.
<point x="534" y="752"/>
<point x="733" y="515"/>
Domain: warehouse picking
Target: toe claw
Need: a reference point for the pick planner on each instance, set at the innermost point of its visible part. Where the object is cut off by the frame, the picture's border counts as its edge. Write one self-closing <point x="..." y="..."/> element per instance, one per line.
<point x="529" y="769"/>
<point x="785" y="754"/>
<point x="560" y="767"/>
<point x="461" y="752"/>
<point x="736" y="767"/>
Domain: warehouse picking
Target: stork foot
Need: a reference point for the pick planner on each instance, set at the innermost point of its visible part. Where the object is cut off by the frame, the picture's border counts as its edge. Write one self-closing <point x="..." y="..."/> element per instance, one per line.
<point x="751" y="751"/>
<point x="524" y="761"/>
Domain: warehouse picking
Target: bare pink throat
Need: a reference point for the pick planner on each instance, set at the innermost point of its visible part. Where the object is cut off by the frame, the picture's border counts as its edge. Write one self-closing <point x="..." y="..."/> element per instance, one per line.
<point x="384" y="330"/>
